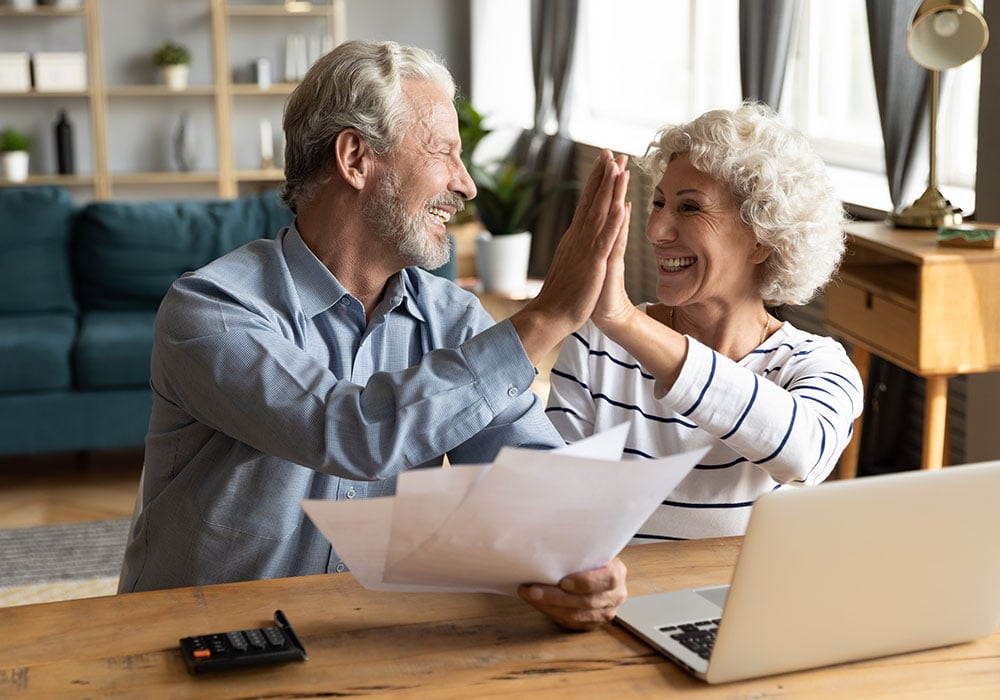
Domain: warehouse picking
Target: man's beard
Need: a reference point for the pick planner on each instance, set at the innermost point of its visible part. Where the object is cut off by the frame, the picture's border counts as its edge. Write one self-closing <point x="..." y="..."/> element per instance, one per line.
<point x="385" y="211"/>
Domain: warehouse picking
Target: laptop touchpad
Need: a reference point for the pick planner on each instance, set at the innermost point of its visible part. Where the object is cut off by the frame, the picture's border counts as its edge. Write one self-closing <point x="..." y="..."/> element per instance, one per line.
<point x="715" y="594"/>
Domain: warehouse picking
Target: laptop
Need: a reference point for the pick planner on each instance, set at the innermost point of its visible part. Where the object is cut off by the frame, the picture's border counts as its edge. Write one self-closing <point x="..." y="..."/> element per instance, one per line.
<point x="839" y="572"/>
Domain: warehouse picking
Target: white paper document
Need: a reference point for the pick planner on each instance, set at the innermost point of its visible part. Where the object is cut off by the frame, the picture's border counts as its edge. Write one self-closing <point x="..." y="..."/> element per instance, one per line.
<point x="530" y="517"/>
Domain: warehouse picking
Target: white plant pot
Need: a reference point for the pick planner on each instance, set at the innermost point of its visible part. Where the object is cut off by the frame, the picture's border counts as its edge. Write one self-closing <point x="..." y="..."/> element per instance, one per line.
<point x="502" y="262"/>
<point x="175" y="77"/>
<point x="15" y="165"/>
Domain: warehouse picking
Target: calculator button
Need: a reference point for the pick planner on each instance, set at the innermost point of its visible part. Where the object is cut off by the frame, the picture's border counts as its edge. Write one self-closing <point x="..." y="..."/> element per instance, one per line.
<point x="256" y="639"/>
<point x="275" y="636"/>
<point x="201" y="653"/>
<point x="238" y="641"/>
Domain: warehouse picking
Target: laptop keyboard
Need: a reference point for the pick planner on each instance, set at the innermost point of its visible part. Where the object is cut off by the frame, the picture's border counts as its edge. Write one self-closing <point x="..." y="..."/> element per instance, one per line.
<point x="699" y="637"/>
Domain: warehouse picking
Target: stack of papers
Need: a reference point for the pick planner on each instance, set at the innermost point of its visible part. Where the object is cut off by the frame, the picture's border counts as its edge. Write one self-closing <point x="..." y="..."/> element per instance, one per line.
<point x="530" y="517"/>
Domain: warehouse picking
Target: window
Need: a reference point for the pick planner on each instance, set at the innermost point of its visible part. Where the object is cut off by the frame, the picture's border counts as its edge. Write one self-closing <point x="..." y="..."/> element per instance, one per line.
<point x="829" y="91"/>
<point x="502" y="88"/>
<point x="830" y="95"/>
<point x="643" y="63"/>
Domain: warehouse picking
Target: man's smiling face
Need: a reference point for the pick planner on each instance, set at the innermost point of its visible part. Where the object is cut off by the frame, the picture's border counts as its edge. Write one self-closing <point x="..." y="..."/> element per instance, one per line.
<point x="423" y="182"/>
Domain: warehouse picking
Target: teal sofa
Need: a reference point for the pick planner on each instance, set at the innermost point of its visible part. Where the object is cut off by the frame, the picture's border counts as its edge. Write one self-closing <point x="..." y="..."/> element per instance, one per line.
<point x="79" y="289"/>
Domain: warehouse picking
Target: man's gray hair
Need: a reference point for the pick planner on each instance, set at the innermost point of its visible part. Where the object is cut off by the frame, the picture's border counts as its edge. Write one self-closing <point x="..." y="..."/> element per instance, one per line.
<point x="358" y="85"/>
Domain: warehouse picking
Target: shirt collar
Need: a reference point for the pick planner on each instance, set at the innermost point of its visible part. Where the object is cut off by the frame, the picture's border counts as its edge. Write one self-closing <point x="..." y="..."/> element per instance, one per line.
<point x="408" y="289"/>
<point x="319" y="289"/>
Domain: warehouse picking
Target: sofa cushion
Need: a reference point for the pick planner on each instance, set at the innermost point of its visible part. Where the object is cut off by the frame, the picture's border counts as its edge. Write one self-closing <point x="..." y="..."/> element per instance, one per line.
<point x="56" y="421"/>
<point x="35" y="352"/>
<point x="113" y="349"/>
<point x="35" y="272"/>
<point x="129" y="253"/>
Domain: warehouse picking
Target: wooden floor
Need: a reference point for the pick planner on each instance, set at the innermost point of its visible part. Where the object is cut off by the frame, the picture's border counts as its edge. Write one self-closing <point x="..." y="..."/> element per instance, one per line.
<point x="68" y="488"/>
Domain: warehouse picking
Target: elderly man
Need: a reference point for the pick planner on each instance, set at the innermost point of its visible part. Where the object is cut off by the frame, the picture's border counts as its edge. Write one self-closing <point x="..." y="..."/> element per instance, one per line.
<point x="325" y="362"/>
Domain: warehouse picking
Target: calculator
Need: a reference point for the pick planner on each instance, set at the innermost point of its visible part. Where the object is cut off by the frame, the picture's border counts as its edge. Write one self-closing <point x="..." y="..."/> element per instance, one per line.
<point x="222" y="651"/>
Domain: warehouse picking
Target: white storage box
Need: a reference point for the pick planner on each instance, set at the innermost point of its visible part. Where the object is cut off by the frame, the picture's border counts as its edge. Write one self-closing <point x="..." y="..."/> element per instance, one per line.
<point x="56" y="71"/>
<point x="15" y="75"/>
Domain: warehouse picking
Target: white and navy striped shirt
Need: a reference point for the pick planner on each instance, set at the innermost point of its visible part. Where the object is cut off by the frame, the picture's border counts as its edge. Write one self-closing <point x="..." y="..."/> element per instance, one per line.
<point x="781" y="415"/>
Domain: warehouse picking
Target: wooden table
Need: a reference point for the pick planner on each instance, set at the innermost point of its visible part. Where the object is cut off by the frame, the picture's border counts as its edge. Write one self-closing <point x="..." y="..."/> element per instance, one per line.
<point x="930" y="309"/>
<point x="428" y="645"/>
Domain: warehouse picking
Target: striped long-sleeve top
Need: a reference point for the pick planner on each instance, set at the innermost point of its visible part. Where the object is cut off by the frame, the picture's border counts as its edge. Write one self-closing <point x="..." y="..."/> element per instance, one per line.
<point x="780" y="416"/>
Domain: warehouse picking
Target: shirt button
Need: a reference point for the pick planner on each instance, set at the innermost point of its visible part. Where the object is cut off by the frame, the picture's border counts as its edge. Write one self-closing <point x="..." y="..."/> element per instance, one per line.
<point x="341" y="567"/>
<point x="397" y="299"/>
<point x="512" y="391"/>
<point x="351" y="493"/>
<point x="345" y="301"/>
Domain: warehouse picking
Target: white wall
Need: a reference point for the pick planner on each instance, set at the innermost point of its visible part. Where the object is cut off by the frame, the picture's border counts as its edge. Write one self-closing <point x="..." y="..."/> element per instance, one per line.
<point x="439" y="25"/>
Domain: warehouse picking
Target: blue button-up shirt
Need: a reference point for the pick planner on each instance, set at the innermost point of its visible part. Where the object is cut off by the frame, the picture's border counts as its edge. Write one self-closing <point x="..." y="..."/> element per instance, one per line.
<point x="269" y="386"/>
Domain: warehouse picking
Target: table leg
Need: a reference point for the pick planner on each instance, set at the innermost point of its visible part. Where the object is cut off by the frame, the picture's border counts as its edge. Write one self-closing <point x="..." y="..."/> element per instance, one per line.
<point x="935" y="422"/>
<point x="848" y="467"/>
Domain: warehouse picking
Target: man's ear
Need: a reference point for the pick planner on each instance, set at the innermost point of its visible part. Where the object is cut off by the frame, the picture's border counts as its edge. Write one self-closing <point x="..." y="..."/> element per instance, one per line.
<point x="355" y="160"/>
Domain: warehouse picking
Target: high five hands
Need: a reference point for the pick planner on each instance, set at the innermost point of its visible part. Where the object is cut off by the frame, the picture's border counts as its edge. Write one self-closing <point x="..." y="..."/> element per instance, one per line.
<point x="591" y="247"/>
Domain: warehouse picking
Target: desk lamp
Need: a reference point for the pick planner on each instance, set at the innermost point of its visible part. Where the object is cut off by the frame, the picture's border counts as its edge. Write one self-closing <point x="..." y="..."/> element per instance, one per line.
<point x="944" y="34"/>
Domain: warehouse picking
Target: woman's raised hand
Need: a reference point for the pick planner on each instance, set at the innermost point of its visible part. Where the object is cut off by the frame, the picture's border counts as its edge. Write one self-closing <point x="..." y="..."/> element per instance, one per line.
<point x="614" y="306"/>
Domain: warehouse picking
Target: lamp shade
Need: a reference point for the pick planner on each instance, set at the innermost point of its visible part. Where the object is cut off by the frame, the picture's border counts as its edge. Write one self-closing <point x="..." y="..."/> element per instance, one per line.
<point x="946" y="33"/>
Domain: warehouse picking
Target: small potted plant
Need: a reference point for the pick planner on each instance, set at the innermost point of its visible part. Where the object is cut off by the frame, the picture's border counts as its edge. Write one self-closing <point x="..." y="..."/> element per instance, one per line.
<point x="14" y="147"/>
<point x="507" y="202"/>
<point x="173" y="60"/>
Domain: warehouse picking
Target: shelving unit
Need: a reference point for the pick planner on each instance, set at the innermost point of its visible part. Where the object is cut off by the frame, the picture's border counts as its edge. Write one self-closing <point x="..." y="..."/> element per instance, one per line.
<point x="81" y="37"/>
<point x="124" y="124"/>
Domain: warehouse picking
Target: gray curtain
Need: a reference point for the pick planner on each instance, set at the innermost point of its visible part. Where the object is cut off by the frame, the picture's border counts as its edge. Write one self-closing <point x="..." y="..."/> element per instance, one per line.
<point x="766" y="35"/>
<point x="901" y="86"/>
<point x="553" y="37"/>
<point x="891" y="416"/>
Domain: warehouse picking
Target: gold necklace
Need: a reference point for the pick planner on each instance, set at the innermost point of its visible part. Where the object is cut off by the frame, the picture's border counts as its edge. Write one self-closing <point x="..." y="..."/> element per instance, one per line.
<point x="763" y="331"/>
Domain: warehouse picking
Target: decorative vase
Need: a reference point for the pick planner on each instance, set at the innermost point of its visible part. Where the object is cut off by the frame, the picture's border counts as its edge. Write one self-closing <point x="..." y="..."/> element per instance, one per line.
<point x="15" y="165"/>
<point x="185" y="144"/>
<point x="65" y="164"/>
<point x="175" y="77"/>
<point x="502" y="262"/>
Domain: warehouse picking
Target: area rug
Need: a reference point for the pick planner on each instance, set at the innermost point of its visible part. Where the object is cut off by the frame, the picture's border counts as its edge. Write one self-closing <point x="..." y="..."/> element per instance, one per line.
<point x="60" y="562"/>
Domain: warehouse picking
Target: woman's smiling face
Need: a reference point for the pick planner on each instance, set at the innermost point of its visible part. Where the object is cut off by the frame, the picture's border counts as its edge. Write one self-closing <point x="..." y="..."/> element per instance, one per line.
<point x="704" y="253"/>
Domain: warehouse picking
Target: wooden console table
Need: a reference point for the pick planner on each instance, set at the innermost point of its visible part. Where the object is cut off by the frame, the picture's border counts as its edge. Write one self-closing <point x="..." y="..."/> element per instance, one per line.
<point x="929" y="309"/>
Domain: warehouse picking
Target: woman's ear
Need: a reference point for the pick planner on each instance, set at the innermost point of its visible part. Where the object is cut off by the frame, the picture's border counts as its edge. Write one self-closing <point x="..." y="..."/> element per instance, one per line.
<point x="354" y="158"/>
<point x="760" y="253"/>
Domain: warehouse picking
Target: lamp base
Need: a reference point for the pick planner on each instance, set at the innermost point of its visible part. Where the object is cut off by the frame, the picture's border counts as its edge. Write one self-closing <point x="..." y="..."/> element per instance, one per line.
<point x="931" y="210"/>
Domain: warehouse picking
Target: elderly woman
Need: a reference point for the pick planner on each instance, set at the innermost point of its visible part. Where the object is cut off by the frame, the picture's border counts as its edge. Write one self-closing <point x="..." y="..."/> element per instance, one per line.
<point x="743" y="217"/>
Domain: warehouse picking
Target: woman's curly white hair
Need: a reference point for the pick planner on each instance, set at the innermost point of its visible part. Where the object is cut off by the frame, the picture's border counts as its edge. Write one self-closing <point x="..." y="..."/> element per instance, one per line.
<point x="780" y="184"/>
